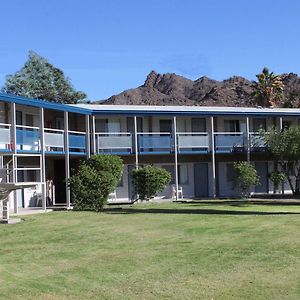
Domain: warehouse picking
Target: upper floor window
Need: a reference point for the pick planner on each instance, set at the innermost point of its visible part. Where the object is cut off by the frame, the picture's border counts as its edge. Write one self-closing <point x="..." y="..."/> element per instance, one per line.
<point x="286" y="124"/>
<point x="198" y="125"/>
<point x="259" y="124"/>
<point x="232" y="125"/>
<point x="108" y="125"/>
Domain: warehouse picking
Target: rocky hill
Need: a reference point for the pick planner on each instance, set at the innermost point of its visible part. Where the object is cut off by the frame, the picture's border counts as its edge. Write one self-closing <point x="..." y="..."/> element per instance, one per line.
<point x="172" y="89"/>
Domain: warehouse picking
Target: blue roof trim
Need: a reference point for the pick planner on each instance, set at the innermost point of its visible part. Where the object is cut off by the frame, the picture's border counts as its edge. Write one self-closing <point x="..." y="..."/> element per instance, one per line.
<point x="192" y="113"/>
<point x="43" y="104"/>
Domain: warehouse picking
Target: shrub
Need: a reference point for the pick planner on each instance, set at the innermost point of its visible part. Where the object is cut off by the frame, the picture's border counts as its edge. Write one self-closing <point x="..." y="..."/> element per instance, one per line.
<point x="149" y="180"/>
<point x="277" y="178"/>
<point x="245" y="177"/>
<point x="94" y="180"/>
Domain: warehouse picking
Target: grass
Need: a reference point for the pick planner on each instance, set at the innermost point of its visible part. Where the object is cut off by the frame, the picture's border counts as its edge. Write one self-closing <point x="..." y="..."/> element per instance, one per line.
<point x="210" y="250"/>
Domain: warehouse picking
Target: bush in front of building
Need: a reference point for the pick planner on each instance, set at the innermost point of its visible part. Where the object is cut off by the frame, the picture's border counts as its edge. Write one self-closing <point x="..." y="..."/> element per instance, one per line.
<point x="245" y="177"/>
<point x="277" y="178"/>
<point x="94" y="180"/>
<point x="150" y="180"/>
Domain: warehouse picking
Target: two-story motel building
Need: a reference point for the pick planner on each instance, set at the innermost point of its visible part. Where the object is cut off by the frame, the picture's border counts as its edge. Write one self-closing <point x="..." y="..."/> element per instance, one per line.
<point x="43" y="142"/>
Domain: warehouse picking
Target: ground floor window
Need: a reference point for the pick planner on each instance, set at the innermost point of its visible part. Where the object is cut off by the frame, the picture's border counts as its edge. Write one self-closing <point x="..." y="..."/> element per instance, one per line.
<point x="183" y="176"/>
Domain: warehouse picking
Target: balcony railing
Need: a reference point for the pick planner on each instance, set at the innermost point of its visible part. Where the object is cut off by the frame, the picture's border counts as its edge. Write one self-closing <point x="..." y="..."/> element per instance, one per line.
<point x="230" y="142"/>
<point x="257" y="142"/>
<point x="155" y="142"/>
<point x="77" y="142"/>
<point x="114" y="142"/>
<point x="192" y="142"/>
<point x="54" y="140"/>
<point x="5" y="139"/>
<point x="28" y="138"/>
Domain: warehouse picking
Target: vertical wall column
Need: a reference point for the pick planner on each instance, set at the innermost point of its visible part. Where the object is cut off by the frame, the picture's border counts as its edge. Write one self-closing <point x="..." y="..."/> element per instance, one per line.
<point x="248" y="139"/>
<point x="87" y="136"/>
<point x="176" y="155"/>
<point x="136" y="149"/>
<point x="67" y="157"/>
<point x="280" y="128"/>
<point x="14" y="151"/>
<point x="213" y="156"/>
<point x="94" y="135"/>
<point x="43" y="159"/>
<point x="280" y="123"/>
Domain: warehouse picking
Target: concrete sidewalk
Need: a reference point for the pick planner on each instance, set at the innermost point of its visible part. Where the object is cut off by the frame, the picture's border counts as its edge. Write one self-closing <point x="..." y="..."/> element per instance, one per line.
<point x="30" y="211"/>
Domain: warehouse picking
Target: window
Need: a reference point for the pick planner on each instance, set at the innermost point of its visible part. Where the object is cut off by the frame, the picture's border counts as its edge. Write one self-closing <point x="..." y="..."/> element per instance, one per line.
<point x="230" y="172"/>
<point x="232" y="125"/>
<point x="108" y="125"/>
<point x="259" y="124"/>
<point x="198" y="125"/>
<point x="183" y="176"/>
<point x="181" y="125"/>
<point x="165" y="125"/>
<point x="286" y="124"/>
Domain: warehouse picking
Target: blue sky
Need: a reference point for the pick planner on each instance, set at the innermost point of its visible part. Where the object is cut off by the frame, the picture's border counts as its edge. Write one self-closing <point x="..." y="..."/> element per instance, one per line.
<point x="105" y="47"/>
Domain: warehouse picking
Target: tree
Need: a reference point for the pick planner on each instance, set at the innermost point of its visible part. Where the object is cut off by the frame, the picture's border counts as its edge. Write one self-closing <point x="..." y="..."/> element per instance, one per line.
<point x="284" y="146"/>
<point x="245" y="177"/>
<point x="268" y="89"/>
<point x="94" y="180"/>
<point x="149" y="180"/>
<point x="40" y="79"/>
<point x="277" y="178"/>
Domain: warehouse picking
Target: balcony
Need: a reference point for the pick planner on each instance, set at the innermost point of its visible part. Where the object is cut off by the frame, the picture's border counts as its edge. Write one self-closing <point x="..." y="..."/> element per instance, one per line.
<point x="54" y="140"/>
<point x="77" y="142"/>
<point x="257" y="143"/>
<point x="115" y="142"/>
<point x="227" y="142"/>
<point x="154" y="142"/>
<point x="28" y="138"/>
<point x="191" y="142"/>
<point x="5" y="138"/>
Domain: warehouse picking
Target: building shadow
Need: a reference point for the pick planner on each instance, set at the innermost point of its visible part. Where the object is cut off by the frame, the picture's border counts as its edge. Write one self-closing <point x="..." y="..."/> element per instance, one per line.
<point x="245" y="202"/>
<point x="120" y="210"/>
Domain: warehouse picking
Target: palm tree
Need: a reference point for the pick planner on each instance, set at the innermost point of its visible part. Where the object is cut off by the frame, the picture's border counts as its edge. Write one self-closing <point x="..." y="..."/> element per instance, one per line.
<point x="268" y="89"/>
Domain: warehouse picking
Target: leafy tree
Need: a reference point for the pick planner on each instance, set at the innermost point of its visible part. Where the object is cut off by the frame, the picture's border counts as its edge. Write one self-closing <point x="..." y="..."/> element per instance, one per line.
<point x="245" y="177"/>
<point x="94" y="180"/>
<point x="150" y="180"/>
<point x="277" y="178"/>
<point x="40" y="79"/>
<point x="268" y="89"/>
<point x="284" y="146"/>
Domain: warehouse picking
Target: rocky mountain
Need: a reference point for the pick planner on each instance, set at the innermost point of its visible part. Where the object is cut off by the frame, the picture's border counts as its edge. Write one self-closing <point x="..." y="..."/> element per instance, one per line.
<point x="172" y="89"/>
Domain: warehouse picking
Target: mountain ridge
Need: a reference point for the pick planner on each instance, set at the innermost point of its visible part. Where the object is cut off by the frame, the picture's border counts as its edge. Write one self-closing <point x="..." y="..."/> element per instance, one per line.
<point x="173" y="89"/>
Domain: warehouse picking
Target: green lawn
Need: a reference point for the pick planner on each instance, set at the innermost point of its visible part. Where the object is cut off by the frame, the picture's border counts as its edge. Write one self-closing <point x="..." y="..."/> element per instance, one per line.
<point x="155" y="251"/>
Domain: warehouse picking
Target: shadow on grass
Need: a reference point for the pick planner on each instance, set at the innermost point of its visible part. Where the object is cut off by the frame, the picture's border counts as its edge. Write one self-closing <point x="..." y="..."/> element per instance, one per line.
<point x="191" y="211"/>
<point x="246" y="202"/>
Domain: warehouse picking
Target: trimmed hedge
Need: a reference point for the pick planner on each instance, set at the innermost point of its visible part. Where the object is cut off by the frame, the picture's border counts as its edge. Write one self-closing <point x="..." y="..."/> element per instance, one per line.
<point x="94" y="180"/>
<point x="149" y="180"/>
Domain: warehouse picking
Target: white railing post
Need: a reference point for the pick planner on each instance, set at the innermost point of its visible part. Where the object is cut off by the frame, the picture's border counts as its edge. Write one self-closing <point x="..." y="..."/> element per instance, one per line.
<point x="43" y="159"/>
<point x="14" y="150"/>
<point x="176" y="155"/>
<point x="248" y="139"/>
<point x="67" y="157"/>
<point x="136" y="143"/>
<point x="87" y="139"/>
<point x="94" y="142"/>
<point x="213" y="158"/>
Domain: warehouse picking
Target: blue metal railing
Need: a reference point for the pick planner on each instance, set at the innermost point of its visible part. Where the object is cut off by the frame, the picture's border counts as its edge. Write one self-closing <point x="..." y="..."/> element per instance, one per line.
<point x="155" y="142"/>
<point x="28" y="138"/>
<point x="77" y="142"/>
<point x="230" y="142"/>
